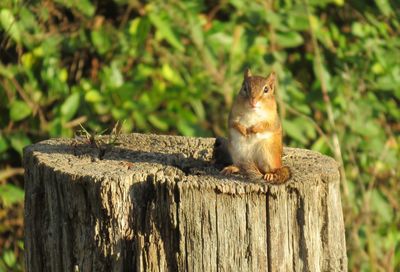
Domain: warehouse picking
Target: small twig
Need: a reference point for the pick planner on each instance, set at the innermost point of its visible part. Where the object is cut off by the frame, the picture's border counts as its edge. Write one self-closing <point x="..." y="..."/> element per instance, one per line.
<point x="214" y="10"/>
<point x="80" y="66"/>
<point x="371" y="184"/>
<point x="394" y="202"/>
<point x="10" y="172"/>
<point x="35" y="107"/>
<point x="127" y="12"/>
<point x="7" y="89"/>
<point x="76" y="122"/>
<point x="115" y="133"/>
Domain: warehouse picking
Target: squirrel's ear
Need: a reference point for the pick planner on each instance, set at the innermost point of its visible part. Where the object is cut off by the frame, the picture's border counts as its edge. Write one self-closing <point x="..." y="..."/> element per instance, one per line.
<point x="271" y="77"/>
<point x="271" y="80"/>
<point x="247" y="73"/>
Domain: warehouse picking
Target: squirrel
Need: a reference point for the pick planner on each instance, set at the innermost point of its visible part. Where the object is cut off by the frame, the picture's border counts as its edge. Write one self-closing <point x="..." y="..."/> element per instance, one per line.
<point x="255" y="132"/>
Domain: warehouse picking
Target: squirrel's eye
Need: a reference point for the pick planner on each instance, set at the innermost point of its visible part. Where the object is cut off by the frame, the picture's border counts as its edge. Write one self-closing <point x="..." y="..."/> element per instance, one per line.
<point x="266" y="89"/>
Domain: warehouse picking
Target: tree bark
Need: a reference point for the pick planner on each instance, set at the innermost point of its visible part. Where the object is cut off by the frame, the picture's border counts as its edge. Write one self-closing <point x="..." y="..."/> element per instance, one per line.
<point x="157" y="203"/>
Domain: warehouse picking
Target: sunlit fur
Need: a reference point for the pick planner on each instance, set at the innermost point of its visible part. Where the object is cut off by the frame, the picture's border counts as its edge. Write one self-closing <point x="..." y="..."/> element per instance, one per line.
<point x="257" y="153"/>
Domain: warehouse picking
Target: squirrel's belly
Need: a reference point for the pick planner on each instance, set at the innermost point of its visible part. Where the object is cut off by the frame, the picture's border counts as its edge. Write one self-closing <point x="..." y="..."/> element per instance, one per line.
<point x="253" y="117"/>
<point x="244" y="149"/>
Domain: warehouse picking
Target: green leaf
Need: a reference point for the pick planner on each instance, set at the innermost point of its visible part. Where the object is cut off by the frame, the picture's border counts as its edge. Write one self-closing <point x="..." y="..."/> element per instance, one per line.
<point x="221" y="41"/>
<point x="289" y="39"/>
<point x="320" y="145"/>
<point x="238" y="4"/>
<point x="274" y="19"/>
<point x="357" y="29"/>
<point x="84" y="6"/>
<point x="6" y="71"/>
<point x="112" y="76"/>
<point x="197" y="33"/>
<point x="55" y="127"/>
<point x="381" y="206"/>
<point x="165" y="30"/>
<point x="20" y="245"/>
<point x="171" y="75"/>
<point x="10" y="25"/>
<point x="198" y="108"/>
<point x="93" y="96"/>
<point x="19" y="110"/>
<point x="298" y="20"/>
<point x="11" y="194"/>
<point x="387" y="82"/>
<point x="308" y="128"/>
<point x="384" y="7"/>
<point x="158" y="122"/>
<point x="186" y="128"/>
<point x="70" y="106"/>
<point x="140" y="120"/>
<point x="102" y="108"/>
<point x="9" y="258"/>
<point x="19" y="141"/>
<point x="118" y="113"/>
<point x="322" y="71"/>
<point x="141" y="31"/>
<point x="27" y="20"/>
<point x="294" y="131"/>
<point x="3" y="144"/>
<point x="100" y="40"/>
<point x="27" y="60"/>
<point x="133" y="26"/>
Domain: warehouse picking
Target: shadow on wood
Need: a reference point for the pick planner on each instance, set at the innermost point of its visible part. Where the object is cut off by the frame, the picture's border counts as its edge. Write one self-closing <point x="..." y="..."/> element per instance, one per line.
<point x="157" y="203"/>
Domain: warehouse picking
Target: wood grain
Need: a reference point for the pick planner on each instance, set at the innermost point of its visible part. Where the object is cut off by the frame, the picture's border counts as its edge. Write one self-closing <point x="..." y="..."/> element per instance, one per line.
<point x="157" y="203"/>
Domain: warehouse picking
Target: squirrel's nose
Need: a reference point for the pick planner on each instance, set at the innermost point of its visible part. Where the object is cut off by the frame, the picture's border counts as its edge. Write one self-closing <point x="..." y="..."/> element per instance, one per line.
<point x="253" y="103"/>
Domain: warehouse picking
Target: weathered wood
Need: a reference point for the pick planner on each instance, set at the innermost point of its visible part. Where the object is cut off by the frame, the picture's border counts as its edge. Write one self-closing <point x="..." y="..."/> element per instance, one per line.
<point x="157" y="203"/>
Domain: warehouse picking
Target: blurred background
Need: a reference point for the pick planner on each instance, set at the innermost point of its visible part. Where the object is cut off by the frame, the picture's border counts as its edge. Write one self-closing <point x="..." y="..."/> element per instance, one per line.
<point x="174" y="67"/>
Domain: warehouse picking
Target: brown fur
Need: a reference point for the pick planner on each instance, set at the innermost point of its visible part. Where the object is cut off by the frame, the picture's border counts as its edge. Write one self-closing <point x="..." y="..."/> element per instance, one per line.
<point x="239" y="127"/>
<point x="275" y="176"/>
<point x="259" y="127"/>
<point x="255" y="112"/>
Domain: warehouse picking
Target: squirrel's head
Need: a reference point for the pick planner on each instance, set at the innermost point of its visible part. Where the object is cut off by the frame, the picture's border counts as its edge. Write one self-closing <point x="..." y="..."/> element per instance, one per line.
<point x="258" y="91"/>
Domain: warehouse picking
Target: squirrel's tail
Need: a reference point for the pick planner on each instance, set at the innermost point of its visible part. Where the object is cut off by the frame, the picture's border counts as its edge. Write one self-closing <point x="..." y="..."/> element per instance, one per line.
<point x="251" y="171"/>
<point x="279" y="175"/>
<point x="221" y="154"/>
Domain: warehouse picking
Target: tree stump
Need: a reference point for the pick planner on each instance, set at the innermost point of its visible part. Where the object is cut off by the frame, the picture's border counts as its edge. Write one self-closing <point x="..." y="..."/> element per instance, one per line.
<point x="157" y="203"/>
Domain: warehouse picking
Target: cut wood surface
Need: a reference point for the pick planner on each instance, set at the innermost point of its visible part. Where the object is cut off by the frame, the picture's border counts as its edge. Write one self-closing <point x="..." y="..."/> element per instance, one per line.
<point x="158" y="203"/>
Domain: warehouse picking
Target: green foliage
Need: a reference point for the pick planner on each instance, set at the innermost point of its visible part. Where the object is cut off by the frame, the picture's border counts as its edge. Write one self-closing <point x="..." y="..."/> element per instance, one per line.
<point x="174" y="67"/>
<point x="19" y="110"/>
<point x="10" y="194"/>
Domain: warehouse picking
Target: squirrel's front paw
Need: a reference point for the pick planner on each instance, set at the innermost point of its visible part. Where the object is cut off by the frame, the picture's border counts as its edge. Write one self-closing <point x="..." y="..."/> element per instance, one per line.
<point x="254" y="129"/>
<point x="257" y="128"/>
<point x="240" y="128"/>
